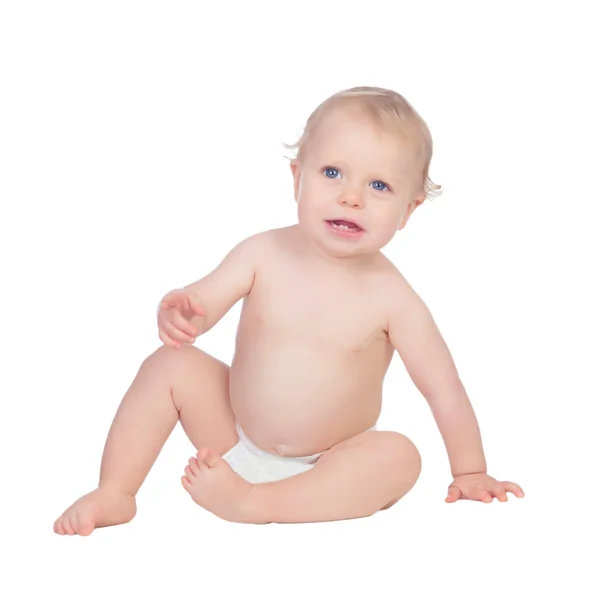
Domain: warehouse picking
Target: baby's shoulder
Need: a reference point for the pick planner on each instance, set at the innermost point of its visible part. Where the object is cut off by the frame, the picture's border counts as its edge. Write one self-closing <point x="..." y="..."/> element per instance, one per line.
<point x="386" y="273"/>
<point x="269" y="239"/>
<point x="390" y="285"/>
<point x="272" y="243"/>
<point x="257" y="245"/>
<point x="258" y="251"/>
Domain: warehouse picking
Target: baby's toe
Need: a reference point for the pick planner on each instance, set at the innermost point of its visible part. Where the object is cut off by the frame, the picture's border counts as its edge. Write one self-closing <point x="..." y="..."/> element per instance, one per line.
<point x="186" y="483"/>
<point x="193" y="463"/>
<point x="213" y="460"/>
<point x="68" y="527"/>
<point x="58" y="526"/>
<point x="84" y="525"/>
<point x="189" y="474"/>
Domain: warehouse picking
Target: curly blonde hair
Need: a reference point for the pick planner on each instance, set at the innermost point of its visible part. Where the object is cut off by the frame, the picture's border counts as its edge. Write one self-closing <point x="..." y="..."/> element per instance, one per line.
<point x="389" y="110"/>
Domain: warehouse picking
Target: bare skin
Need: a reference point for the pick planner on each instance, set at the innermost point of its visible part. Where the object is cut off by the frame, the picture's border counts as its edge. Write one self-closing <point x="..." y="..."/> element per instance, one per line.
<point x="268" y="394"/>
<point x="323" y="313"/>
<point x="182" y="384"/>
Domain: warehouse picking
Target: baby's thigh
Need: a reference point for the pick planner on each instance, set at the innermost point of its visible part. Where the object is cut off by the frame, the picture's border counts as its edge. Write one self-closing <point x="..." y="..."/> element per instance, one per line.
<point x="388" y="448"/>
<point x="200" y="391"/>
<point x="377" y="457"/>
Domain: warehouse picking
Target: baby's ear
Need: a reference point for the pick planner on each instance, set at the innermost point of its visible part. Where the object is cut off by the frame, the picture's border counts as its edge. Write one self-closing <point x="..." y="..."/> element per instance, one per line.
<point x="411" y="208"/>
<point x="295" y="168"/>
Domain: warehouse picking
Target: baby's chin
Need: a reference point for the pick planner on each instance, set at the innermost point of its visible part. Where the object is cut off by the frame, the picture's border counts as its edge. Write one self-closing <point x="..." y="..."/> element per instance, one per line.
<point x="343" y="249"/>
<point x="368" y="244"/>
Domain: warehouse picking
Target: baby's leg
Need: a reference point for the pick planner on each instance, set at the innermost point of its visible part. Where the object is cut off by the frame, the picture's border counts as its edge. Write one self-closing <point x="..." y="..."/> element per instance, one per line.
<point x="183" y="384"/>
<point x="356" y="478"/>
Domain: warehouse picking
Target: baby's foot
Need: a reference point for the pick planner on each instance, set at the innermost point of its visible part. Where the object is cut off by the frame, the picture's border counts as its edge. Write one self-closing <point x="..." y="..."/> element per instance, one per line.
<point x="215" y="486"/>
<point x="100" y="508"/>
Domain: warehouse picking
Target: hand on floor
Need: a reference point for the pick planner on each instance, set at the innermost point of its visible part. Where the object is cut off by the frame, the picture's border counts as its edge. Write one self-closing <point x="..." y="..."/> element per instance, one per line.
<point x="482" y="487"/>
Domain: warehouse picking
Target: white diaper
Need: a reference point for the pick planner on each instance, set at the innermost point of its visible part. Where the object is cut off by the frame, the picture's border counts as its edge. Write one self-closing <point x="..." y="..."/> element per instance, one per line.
<point x="259" y="466"/>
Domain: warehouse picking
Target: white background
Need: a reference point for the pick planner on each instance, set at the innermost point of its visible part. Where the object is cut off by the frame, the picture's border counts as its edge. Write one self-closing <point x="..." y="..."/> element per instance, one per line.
<point x="139" y="141"/>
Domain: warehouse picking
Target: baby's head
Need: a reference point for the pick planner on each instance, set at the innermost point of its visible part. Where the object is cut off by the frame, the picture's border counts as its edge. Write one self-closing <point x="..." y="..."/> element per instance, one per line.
<point x="364" y="157"/>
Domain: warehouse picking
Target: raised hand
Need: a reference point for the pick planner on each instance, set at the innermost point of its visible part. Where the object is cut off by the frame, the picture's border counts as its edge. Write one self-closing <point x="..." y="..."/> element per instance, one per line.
<point x="176" y="311"/>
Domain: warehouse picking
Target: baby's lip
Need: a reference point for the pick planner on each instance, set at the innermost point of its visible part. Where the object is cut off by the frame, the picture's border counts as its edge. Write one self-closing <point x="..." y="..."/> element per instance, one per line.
<point x="347" y="222"/>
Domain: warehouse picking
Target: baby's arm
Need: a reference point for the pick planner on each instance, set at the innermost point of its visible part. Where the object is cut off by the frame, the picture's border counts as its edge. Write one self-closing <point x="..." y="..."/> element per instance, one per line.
<point x="229" y="282"/>
<point x="416" y="338"/>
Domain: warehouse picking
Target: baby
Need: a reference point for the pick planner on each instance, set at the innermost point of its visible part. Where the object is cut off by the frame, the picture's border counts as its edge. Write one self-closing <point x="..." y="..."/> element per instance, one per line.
<point x="287" y="433"/>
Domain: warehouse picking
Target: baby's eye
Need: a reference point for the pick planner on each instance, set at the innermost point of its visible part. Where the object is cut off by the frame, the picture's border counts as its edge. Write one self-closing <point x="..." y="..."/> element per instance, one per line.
<point x="331" y="172"/>
<point x="380" y="186"/>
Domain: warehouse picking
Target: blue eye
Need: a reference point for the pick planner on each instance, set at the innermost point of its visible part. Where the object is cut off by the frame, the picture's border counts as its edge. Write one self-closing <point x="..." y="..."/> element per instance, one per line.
<point x="380" y="186"/>
<point x="331" y="172"/>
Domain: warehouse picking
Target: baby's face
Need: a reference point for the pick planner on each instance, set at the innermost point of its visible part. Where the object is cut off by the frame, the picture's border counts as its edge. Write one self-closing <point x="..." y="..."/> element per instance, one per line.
<point x="353" y="171"/>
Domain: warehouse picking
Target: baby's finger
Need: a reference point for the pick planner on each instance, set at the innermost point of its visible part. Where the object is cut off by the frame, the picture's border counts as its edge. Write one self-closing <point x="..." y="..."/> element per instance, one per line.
<point x="499" y="493"/>
<point x="453" y="494"/>
<point x="168" y="337"/>
<point x="513" y="488"/>
<point x="481" y="495"/>
<point x="176" y="334"/>
<point x="166" y="340"/>
<point x="183" y="324"/>
<point x="170" y="301"/>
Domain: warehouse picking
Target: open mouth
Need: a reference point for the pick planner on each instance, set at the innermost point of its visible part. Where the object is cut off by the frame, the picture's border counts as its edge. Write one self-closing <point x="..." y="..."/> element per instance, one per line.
<point x="342" y="229"/>
<point x="342" y="225"/>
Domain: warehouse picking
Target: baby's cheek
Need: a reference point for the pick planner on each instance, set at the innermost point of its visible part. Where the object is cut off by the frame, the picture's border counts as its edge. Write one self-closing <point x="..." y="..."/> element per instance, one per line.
<point x="309" y="204"/>
<point x="388" y="220"/>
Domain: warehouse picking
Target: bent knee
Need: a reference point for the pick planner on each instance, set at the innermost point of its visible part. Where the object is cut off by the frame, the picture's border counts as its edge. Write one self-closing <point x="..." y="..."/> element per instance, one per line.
<point x="166" y="353"/>
<point x="187" y="357"/>
<point x="400" y="455"/>
<point x="186" y="354"/>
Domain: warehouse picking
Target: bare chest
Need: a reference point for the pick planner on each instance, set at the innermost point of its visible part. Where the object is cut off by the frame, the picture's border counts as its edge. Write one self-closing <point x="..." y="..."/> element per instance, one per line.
<point x="335" y="313"/>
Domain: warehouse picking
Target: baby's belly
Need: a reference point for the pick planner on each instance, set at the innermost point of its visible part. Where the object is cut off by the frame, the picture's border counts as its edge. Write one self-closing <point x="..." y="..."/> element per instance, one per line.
<point x="295" y="399"/>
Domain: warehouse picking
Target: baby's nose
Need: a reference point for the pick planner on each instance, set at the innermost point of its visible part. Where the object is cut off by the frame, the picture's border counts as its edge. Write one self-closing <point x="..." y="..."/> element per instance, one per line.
<point x="351" y="198"/>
